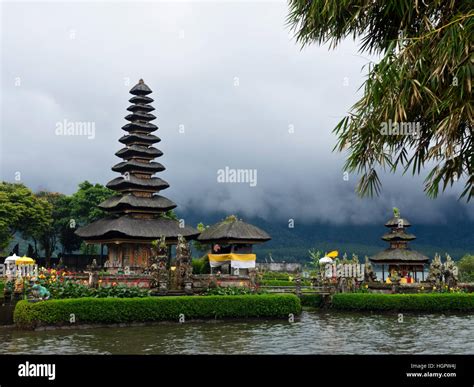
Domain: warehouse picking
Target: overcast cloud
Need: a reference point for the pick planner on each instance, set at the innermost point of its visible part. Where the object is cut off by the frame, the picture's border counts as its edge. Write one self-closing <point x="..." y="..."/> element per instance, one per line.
<point x="230" y="74"/>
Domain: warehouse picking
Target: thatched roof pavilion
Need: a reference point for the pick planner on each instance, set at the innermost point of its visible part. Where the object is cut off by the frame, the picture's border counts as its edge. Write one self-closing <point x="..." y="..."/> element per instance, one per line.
<point x="399" y="256"/>
<point x="231" y="241"/>
<point x="233" y="230"/>
<point x="137" y="213"/>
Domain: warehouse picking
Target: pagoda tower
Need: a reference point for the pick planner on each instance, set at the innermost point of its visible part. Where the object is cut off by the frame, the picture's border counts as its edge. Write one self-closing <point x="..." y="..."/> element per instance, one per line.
<point x="137" y="213"/>
<point x="399" y="256"/>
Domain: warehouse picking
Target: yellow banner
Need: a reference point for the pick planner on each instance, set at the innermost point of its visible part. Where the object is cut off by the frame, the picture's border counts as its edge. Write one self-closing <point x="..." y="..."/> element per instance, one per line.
<point x="231" y="257"/>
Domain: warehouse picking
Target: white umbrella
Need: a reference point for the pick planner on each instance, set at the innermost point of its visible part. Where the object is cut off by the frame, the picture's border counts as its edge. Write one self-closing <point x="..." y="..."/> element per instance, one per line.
<point x="325" y="260"/>
<point x="11" y="259"/>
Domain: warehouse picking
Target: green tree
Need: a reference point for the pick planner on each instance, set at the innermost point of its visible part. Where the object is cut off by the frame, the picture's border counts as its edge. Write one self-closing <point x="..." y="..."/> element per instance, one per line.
<point x="21" y="212"/>
<point x="48" y="236"/>
<point x="466" y="268"/>
<point x="66" y="225"/>
<point x="424" y="77"/>
<point x="84" y="203"/>
<point x="84" y="210"/>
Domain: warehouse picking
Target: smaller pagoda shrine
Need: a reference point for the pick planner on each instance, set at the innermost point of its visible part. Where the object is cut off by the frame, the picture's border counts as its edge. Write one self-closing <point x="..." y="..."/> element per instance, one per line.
<point x="231" y="242"/>
<point x="399" y="260"/>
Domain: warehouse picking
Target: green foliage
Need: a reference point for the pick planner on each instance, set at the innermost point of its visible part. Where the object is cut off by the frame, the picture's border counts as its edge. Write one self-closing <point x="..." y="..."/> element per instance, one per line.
<point x="70" y="289"/>
<point x="231" y="291"/>
<point x="170" y="214"/>
<point x="265" y="282"/>
<point x="128" y="310"/>
<point x="201" y="247"/>
<point x="2" y="287"/>
<point x="84" y="203"/>
<point x="197" y="266"/>
<point x="466" y="268"/>
<point x="314" y="300"/>
<point x="315" y="256"/>
<point x="274" y="278"/>
<point x="48" y="237"/>
<point x="201" y="265"/>
<point x="431" y="302"/>
<point x="21" y="211"/>
<point x="424" y="76"/>
<point x="275" y="275"/>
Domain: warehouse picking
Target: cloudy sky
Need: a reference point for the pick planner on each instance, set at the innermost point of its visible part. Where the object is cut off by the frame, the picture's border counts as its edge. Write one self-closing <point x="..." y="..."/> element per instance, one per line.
<point x="231" y="88"/>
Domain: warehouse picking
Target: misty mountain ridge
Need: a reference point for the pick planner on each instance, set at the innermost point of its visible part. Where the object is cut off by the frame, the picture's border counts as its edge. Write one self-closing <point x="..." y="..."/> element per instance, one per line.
<point x="292" y="244"/>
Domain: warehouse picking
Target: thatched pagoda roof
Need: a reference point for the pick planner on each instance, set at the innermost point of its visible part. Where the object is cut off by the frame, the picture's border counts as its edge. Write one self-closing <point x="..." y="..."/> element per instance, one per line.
<point x="135" y="166"/>
<point x="154" y="184"/>
<point x="140" y="116"/>
<point x="139" y="150"/>
<point x="395" y="222"/>
<point x="127" y="227"/>
<point x="140" y="89"/>
<point x="394" y="256"/>
<point x="140" y="99"/>
<point x="140" y="107"/>
<point x="129" y="202"/>
<point x="233" y="229"/>
<point x="398" y="235"/>
<point x="140" y="127"/>
<point x="136" y="138"/>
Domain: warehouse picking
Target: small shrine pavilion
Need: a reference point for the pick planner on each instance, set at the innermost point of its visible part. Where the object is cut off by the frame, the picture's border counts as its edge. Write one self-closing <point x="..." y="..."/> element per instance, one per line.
<point x="137" y="213"/>
<point x="231" y="242"/>
<point x="399" y="258"/>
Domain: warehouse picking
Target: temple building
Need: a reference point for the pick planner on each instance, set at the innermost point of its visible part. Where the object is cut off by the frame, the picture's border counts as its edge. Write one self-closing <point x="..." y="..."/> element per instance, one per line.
<point x="231" y="242"/>
<point x="399" y="259"/>
<point x="137" y="214"/>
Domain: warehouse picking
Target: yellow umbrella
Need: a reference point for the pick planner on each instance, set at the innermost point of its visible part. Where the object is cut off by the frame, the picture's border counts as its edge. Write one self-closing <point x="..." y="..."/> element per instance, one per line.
<point x="332" y="254"/>
<point x="25" y="261"/>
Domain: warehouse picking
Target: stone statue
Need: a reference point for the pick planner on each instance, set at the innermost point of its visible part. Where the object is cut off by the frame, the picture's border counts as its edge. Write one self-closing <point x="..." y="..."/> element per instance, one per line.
<point x="355" y="258"/>
<point x="450" y="272"/>
<point x="60" y="264"/>
<point x="40" y="292"/>
<point x="435" y="275"/>
<point x="19" y="285"/>
<point x="369" y="274"/>
<point x="184" y="266"/>
<point x="253" y="278"/>
<point x="298" y="283"/>
<point x="159" y="265"/>
<point x="93" y="271"/>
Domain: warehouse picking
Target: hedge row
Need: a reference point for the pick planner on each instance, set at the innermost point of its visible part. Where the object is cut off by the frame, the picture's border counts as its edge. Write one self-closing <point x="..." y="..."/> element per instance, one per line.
<point x="434" y="302"/>
<point x="275" y="282"/>
<point x="127" y="310"/>
<point x="315" y="300"/>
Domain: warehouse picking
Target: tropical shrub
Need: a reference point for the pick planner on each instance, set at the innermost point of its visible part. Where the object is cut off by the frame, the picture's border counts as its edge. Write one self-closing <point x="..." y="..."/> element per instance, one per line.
<point x="60" y="285"/>
<point x="275" y="275"/>
<point x="128" y="310"/>
<point x="271" y="282"/>
<point x="231" y="291"/>
<point x="466" y="268"/>
<point x="430" y="302"/>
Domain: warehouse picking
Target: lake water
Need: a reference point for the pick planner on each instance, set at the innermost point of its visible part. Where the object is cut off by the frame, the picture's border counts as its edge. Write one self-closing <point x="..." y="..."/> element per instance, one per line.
<point x="316" y="332"/>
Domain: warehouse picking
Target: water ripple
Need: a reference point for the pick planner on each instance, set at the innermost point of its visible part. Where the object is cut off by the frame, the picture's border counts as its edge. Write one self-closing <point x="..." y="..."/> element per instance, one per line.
<point x="314" y="333"/>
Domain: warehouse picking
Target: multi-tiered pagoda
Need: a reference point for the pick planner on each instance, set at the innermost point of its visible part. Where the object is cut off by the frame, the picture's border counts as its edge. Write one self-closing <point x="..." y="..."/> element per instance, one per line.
<point x="407" y="263"/>
<point x="137" y="212"/>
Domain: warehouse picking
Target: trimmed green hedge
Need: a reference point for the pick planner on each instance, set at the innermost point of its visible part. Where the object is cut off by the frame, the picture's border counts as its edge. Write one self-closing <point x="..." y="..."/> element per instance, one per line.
<point x="433" y="302"/>
<point x="127" y="310"/>
<point x="274" y="282"/>
<point x="315" y="300"/>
